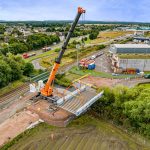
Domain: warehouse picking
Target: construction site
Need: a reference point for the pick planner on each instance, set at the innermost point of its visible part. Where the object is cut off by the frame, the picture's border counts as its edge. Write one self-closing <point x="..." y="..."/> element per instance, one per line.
<point x="54" y="105"/>
<point x="42" y="101"/>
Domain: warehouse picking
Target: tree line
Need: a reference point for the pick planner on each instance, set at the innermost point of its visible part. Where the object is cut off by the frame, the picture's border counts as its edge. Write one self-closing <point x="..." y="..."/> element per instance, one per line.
<point x="128" y="107"/>
<point x="13" y="67"/>
<point x="33" y="42"/>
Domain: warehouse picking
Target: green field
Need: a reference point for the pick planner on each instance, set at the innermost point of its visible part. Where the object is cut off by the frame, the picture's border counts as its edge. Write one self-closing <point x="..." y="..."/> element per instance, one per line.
<point x="80" y="72"/>
<point x="84" y="133"/>
<point x="106" y="36"/>
<point x="134" y="56"/>
<point x="145" y="85"/>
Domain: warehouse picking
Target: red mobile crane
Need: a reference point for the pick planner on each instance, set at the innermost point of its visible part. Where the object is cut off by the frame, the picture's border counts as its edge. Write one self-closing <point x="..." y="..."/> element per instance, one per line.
<point x="47" y="91"/>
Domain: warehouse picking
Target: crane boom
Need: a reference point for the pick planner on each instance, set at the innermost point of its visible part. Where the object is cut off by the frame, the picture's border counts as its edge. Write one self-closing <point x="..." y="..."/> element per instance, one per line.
<point x="48" y="90"/>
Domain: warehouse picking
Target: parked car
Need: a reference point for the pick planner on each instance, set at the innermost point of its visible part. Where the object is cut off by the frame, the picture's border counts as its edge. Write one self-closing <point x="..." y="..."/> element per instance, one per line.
<point x="115" y="74"/>
<point x="93" y="57"/>
<point x="147" y="76"/>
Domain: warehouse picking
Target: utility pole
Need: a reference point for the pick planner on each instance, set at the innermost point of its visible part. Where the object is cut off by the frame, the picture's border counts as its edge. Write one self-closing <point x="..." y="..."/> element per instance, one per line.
<point x="78" y="48"/>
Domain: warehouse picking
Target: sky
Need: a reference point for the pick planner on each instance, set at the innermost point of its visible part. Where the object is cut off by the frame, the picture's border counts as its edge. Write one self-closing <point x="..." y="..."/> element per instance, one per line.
<point x="97" y="10"/>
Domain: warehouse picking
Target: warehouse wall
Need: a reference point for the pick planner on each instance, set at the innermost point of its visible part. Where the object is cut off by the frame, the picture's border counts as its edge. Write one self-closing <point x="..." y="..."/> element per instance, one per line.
<point x="142" y="64"/>
<point x="133" y="50"/>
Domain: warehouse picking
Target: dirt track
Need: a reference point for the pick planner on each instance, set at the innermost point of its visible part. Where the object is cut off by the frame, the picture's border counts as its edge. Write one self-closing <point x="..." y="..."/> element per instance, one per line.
<point x="16" y="125"/>
<point x="100" y="82"/>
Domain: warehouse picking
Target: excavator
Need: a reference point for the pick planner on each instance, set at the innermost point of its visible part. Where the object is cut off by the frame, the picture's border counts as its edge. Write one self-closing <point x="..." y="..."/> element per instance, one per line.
<point x="47" y="91"/>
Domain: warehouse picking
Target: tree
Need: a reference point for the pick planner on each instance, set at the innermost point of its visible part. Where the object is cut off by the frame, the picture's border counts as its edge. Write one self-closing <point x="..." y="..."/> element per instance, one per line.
<point x="5" y="73"/>
<point x="28" y="69"/>
<point x="2" y="29"/>
<point x="16" y="48"/>
<point x="93" y="35"/>
<point x="16" y="31"/>
<point x="36" y="41"/>
<point x="13" y="40"/>
<point x="16" y="71"/>
<point x="127" y="107"/>
<point x="13" y="67"/>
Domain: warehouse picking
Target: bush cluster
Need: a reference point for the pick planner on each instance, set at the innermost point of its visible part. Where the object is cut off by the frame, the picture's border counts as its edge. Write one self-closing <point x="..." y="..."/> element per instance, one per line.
<point x="13" y="67"/>
<point x="127" y="107"/>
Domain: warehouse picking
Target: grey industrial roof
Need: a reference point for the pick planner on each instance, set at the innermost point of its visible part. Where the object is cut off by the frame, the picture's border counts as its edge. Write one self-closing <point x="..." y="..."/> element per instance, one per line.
<point x="131" y="45"/>
<point x="142" y="38"/>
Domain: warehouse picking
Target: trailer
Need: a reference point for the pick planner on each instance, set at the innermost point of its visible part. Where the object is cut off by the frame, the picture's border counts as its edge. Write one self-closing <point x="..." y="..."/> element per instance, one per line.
<point x="26" y="55"/>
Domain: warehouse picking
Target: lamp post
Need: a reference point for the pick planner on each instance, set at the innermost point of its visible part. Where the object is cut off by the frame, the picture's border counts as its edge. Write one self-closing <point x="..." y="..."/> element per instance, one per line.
<point x="78" y="48"/>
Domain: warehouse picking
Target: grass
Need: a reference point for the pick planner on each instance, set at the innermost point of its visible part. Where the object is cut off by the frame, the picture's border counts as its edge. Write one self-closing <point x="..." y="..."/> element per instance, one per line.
<point x="134" y="56"/>
<point x="80" y="72"/>
<point x="48" y="61"/>
<point x="114" y="34"/>
<point x="72" y="76"/>
<point x="11" y="87"/>
<point x="147" y="72"/>
<point x="145" y="85"/>
<point x="85" y="132"/>
<point x="147" y="34"/>
<point x="106" y="36"/>
<point x="70" y="56"/>
<point x="96" y="41"/>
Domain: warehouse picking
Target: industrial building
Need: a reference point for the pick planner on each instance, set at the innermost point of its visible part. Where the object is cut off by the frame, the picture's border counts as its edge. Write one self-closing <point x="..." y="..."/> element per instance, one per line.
<point x="141" y="39"/>
<point x="130" y="48"/>
<point x="130" y="58"/>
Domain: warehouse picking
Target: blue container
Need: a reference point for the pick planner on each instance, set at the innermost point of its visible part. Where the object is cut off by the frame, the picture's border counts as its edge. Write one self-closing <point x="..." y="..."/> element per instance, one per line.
<point x="137" y="70"/>
<point x="91" y="66"/>
<point x="94" y="66"/>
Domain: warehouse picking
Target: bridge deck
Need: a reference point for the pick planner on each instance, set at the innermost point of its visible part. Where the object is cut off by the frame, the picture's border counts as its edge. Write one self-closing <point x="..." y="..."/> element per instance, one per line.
<point x="79" y="101"/>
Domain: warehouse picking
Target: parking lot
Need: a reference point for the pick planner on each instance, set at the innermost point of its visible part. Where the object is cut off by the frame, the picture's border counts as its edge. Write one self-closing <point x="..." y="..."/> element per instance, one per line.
<point x="103" y="64"/>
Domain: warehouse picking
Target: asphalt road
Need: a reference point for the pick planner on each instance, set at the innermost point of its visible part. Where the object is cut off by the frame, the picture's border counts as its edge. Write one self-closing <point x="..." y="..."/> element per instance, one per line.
<point x="103" y="64"/>
<point x="37" y="65"/>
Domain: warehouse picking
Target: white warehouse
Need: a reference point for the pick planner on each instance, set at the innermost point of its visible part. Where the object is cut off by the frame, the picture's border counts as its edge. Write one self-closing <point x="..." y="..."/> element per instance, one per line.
<point x="130" y="56"/>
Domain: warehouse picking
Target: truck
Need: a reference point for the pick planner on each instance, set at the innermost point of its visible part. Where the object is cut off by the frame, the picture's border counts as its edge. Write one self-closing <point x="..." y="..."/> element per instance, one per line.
<point x="45" y="49"/>
<point x="26" y="55"/>
<point x="86" y="63"/>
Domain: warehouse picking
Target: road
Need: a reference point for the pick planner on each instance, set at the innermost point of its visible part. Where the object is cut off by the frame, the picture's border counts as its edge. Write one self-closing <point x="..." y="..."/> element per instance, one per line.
<point x="38" y="52"/>
<point x="37" y="65"/>
<point x="59" y="45"/>
<point x="103" y="64"/>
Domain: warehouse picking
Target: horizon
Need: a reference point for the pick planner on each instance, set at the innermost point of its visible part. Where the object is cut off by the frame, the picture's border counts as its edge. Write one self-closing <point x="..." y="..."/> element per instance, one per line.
<point x="112" y="11"/>
<point x="101" y="21"/>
